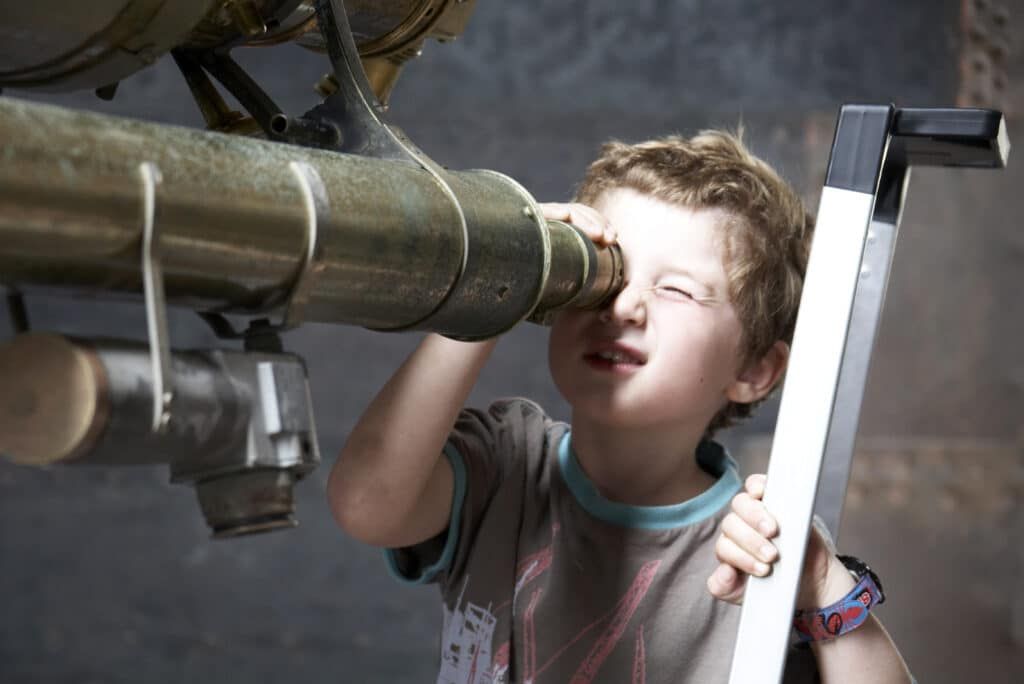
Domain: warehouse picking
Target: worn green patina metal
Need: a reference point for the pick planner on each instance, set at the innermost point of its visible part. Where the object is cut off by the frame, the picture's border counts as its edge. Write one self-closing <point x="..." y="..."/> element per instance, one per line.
<point x="398" y="246"/>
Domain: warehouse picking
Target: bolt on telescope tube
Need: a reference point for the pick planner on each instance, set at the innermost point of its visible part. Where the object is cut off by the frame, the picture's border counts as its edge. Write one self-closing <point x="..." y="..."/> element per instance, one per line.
<point x="463" y="253"/>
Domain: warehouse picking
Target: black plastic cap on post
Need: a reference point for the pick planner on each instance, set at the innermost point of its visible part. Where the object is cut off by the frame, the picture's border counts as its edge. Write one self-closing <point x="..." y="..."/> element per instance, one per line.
<point x="859" y="146"/>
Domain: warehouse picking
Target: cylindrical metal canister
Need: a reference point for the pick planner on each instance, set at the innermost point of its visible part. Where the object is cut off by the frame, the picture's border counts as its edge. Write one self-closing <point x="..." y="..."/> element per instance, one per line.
<point x="66" y="400"/>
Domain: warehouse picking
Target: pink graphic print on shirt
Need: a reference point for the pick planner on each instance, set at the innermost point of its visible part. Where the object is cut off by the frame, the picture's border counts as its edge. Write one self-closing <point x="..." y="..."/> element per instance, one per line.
<point x="468" y="632"/>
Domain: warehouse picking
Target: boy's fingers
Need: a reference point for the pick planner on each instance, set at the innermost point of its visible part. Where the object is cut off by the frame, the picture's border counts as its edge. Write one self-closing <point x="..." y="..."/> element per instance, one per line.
<point x="748" y="539"/>
<point x="727" y="584"/>
<point x="729" y="552"/>
<point x="587" y="219"/>
<point x="753" y="512"/>
<point x="590" y="222"/>
<point x="555" y="211"/>
<point x="755" y="485"/>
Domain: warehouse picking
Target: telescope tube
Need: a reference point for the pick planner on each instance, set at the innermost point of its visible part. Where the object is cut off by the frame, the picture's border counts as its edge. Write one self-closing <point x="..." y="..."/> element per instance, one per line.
<point x="396" y="246"/>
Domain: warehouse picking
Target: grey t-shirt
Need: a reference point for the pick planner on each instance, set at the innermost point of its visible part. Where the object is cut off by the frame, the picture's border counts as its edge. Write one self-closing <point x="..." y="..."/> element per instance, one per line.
<point x="544" y="580"/>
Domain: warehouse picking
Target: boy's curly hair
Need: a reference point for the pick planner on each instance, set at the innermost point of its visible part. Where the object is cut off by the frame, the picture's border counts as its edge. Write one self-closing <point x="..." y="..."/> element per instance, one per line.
<point x="766" y="243"/>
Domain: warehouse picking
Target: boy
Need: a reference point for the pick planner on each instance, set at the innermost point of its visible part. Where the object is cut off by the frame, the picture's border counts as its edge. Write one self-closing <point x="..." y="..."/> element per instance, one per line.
<point x="597" y="552"/>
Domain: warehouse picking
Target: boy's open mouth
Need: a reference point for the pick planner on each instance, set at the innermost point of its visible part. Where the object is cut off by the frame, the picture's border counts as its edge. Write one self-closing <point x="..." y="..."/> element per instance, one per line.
<point x="616" y="357"/>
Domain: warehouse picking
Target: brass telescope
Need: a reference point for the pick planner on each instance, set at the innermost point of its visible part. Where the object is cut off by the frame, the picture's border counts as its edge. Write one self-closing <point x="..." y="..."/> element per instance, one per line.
<point x="379" y="243"/>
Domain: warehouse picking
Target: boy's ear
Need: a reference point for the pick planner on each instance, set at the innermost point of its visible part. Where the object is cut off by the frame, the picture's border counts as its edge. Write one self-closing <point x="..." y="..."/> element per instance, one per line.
<point x="759" y="377"/>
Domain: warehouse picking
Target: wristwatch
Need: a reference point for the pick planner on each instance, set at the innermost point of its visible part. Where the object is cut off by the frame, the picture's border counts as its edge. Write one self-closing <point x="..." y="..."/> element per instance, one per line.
<point x="846" y="614"/>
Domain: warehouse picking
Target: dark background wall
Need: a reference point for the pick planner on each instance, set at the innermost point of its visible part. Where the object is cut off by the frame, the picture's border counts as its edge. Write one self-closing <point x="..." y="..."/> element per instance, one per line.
<point x="109" y="575"/>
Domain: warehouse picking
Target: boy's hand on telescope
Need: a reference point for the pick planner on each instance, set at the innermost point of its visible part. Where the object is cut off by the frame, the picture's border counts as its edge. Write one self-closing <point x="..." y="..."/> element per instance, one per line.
<point x="587" y="219"/>
<point x="744" y="549"/>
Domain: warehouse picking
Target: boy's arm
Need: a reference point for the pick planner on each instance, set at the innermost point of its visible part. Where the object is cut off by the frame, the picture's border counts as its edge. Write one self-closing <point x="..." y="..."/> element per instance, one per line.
<point x="390" y="486"/>
<point x="865" y="654"/>
<point x="870" y="654"/>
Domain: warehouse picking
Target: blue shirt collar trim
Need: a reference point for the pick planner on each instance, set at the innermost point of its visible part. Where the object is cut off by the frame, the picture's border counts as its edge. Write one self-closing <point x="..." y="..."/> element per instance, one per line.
<point x="711" y="456"/>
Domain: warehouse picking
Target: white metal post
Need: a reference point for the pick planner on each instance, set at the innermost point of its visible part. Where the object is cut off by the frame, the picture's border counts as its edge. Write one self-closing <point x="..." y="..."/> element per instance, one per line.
<point x="805" y="415"/>
<point x="860" y="342"/>
<point x="812" y="380"/>
<point x="844" y="290"/>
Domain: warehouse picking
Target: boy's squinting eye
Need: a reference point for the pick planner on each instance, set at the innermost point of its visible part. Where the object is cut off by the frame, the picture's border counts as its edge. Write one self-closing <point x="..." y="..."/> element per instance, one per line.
<point x="673" y="292"/>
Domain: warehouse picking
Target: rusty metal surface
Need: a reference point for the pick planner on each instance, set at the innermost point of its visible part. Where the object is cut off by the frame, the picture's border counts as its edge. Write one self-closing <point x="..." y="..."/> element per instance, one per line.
<point x="986" y="44"/>
<point x="254" y="502"/>
<point x="979" y="481"/>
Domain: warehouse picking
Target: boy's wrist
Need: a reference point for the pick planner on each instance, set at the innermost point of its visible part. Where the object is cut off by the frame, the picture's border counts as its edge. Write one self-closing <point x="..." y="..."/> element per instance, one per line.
<point x="836" y="583"/>
<point x="845" y="614"/>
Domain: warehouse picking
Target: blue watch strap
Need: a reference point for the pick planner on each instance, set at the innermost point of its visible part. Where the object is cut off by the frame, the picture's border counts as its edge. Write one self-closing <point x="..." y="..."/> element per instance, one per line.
<point x="845" y="615"/>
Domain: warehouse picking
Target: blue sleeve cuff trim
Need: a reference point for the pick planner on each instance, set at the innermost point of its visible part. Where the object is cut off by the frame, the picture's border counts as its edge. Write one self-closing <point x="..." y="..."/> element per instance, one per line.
<point x="428" y="574"/>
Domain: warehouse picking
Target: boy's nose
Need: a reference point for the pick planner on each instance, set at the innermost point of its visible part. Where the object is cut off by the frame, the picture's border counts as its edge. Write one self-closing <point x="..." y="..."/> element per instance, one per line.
<point x="628" y="308"/>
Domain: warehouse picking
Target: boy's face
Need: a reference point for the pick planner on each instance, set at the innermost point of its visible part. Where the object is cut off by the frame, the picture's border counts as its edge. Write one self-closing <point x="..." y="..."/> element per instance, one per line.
<point x="666" y="351"/>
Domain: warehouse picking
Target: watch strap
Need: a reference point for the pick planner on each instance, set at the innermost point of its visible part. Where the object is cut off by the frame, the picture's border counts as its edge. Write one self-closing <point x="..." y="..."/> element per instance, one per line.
<point x="845" y="615"/>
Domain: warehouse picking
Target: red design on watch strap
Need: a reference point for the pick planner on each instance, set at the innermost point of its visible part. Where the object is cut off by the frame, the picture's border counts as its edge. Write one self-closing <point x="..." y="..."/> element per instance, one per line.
<point x="846" y="614"/>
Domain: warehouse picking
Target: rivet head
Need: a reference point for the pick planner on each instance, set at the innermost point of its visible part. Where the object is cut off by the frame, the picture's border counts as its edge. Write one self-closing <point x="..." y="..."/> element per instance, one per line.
<point x="528" y="212"/>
